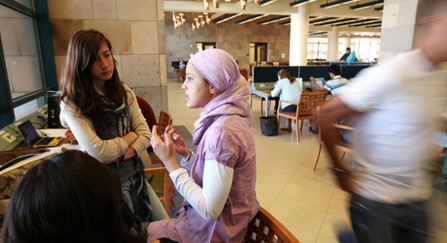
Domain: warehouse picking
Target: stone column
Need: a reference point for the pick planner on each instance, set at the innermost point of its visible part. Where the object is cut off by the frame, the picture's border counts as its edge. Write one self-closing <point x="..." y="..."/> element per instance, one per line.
<point x="398" y="27"/>
<point x="332" y="44"/>
<point x="299" y="32"/>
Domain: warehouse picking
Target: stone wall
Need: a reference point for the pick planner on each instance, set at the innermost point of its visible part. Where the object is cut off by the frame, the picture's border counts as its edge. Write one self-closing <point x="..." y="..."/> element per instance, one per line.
<point x="234" y="38"/>
<point x="136" y="30"/>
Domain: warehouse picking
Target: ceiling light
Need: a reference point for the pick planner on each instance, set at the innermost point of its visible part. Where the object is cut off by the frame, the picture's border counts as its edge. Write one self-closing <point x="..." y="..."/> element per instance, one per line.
<point x="266" y="2"/>
<point x="226" y="18"/>
<point x="269" y="21"/>
<point x="335" y="21"/>
<point x="206" y="4"/>
<point x="243" y="4"/>
<point x="368" y="23"/>
<point x="335" y="3"/>
<point x="297" y="3"/>
<point x="366" y="5"/>
<point x="251" y="18"/>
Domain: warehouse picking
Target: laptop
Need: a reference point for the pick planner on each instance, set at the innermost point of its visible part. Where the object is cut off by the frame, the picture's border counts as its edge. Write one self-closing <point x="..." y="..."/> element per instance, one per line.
<point x="320" y="82"/>
<point x="31" y="137"/>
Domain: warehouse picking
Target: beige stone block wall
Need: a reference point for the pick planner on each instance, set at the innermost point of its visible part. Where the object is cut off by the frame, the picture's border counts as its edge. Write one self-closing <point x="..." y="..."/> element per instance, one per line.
<point x="234" y="38"/>
<point x="136" y="31"/>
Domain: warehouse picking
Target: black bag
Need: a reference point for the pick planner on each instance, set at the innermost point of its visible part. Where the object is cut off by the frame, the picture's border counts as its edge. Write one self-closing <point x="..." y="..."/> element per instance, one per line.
<point x="269" y="126"/>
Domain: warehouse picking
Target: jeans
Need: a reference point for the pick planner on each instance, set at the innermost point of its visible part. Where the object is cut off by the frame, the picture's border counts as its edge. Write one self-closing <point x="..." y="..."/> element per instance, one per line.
<point x="374" y="221"/>
<point x="158" y="212"/>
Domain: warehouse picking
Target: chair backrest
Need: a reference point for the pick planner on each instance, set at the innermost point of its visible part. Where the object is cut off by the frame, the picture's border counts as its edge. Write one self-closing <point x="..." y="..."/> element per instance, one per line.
<point x="266" y="228"/>
<point x="147" y="112"/>
<point x="309" y="101"/>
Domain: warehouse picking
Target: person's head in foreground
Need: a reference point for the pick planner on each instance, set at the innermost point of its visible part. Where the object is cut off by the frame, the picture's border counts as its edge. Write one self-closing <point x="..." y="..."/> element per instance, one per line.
<point x="70" y="197"/>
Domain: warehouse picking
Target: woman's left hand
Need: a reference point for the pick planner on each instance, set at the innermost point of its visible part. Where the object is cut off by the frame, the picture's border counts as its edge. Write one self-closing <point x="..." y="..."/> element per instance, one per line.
<point x="164" y="149"/>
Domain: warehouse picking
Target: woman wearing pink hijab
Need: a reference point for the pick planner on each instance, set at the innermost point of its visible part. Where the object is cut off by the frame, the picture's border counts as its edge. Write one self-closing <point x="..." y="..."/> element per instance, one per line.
<point x="219" y="190"/>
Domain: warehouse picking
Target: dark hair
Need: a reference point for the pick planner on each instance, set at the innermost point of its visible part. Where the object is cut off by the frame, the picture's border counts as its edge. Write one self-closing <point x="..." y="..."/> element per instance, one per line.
<point x="70" y="197"/>
<point x="335" y="69"/>
<point x="76" y="81"/>
<point x="284" y="73"/>
<point x="348" y="48"/>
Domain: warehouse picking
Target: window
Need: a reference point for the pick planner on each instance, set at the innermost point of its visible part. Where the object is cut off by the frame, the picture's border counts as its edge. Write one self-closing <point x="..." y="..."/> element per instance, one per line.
<point x="366" y="49"/>
<point x="201" y="46"/>
<point x="27" y="67"/>
<point x="317" y="49"/>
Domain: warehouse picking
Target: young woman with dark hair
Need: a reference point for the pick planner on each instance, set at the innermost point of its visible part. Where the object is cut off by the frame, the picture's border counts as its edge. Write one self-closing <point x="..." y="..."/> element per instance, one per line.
<point x="103" y="115"/>
<point x="70" y="197"/>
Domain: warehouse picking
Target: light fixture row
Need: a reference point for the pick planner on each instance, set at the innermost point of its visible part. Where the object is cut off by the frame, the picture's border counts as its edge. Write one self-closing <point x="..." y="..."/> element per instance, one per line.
<point x="198" y="22"/>
<point x="207" y="4"/>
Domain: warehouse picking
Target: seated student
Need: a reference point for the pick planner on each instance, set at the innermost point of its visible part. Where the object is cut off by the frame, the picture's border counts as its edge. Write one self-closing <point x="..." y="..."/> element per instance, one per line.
<point x="219" y="188"/>
<point x="335" y="84"/>
<point x="70" y="197"/>
<point x="287" y="88"/>
<point x="346" y="55"/>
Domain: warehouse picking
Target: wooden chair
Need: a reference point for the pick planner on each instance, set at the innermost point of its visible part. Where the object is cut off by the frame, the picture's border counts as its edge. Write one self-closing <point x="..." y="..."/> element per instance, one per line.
<point x="342" y="146"/>
<point x="162" y="185"/>
<point x="306" y="107"/>
<point x="266" y="228"/>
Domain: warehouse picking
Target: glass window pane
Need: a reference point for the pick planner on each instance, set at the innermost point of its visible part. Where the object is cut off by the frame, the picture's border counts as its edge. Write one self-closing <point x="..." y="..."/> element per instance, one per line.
<point x="21" y="54"/>
<point x="28" y="108"/>
<point x="27" y="3"/>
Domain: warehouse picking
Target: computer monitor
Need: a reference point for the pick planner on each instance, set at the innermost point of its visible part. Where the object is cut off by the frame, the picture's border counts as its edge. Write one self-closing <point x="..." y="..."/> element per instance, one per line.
<point x="314" y="71"/>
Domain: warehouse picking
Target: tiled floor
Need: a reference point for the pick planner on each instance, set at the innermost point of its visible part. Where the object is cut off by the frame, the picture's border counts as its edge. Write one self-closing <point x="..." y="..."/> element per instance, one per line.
<point x="308" y="203"/>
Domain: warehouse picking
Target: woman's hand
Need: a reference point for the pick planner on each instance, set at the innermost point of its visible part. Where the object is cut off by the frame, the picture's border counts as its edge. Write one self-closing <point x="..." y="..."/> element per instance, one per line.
<point x="165" y="150"/>
<point x="130" y="153"/>
<point x="178" y="141"/>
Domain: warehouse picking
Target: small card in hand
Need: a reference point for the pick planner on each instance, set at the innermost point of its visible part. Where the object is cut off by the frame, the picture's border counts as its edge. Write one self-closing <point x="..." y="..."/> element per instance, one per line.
<point x="164" y="120"/>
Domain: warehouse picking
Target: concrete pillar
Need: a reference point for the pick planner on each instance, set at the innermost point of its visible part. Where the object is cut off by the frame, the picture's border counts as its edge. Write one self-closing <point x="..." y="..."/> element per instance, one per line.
<point x="398" y="27"/>
<point x="299" y="32"/>
<point x="332" y="49"/>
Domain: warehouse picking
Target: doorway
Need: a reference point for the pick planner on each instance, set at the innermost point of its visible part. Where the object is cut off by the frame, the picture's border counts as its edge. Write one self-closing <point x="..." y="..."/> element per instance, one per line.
<point x="258" y="54"/>
<point x="201" y="46"/>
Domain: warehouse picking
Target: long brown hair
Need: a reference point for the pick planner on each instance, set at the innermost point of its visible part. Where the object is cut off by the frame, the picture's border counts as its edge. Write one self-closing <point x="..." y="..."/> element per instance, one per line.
<point x="77" y="84"/>
<point x="284" y="73"/>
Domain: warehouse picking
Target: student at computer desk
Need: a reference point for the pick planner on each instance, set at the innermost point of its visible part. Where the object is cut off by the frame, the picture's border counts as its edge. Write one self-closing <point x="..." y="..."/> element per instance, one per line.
<point x="287" y="88"/>
<point x="335" y="85"/>
<point x="103" y="115"/>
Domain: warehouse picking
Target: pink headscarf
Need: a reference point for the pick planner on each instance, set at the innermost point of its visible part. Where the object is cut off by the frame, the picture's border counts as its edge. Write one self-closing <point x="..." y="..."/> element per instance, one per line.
<point x="220" y="69"/>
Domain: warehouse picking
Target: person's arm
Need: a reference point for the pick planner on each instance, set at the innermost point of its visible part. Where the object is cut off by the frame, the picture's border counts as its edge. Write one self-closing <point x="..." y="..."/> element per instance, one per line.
<point x="317" y="86"/>
<point x="105" y="151"/>
<point x="277" y="90"/>
<point x="210" y="200"/>
<point x="330" y="113"/>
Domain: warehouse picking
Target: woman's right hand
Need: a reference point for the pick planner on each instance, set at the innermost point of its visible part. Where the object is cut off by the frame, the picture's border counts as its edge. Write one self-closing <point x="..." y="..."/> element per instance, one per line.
<point x="164" y="149"/>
